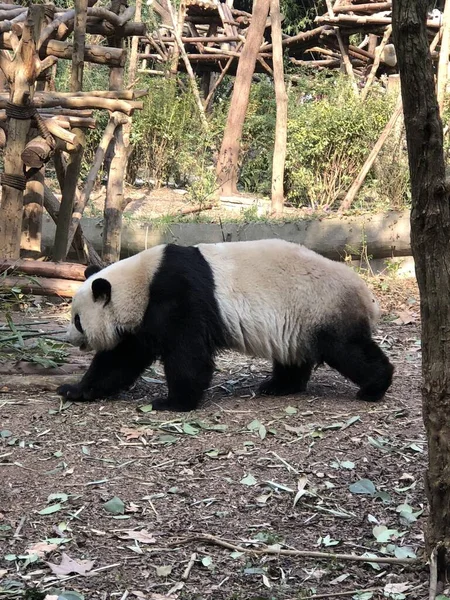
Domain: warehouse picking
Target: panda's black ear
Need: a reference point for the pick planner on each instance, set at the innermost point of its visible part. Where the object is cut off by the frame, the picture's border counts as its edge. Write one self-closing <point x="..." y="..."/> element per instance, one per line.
<point x="90" y="270"/>
<point x="101" y="290"/>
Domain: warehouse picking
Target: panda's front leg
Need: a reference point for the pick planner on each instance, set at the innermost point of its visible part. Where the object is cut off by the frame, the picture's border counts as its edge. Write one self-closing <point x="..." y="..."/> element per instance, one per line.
<point x="189" y="368"/>
<point x="110" y="371"/>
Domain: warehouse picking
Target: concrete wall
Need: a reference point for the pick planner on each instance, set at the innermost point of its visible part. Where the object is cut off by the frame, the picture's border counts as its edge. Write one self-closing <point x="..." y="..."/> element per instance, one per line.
<point x="382" y="235"/>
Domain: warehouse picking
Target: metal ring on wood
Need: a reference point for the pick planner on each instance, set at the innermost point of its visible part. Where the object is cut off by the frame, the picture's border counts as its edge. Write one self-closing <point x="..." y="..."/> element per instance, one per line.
<point x="18" y="182"/>
<point x="20" y="111"/>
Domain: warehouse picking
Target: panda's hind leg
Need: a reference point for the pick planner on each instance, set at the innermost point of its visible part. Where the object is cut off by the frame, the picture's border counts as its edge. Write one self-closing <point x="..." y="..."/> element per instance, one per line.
<point x="360" y="359"/>
<point x="286" y="379"/>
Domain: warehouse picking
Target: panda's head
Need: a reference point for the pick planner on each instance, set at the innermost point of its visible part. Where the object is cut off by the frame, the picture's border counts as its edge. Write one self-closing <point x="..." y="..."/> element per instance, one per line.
<point x="93" y="325"/>
<point x="112" y="301"/>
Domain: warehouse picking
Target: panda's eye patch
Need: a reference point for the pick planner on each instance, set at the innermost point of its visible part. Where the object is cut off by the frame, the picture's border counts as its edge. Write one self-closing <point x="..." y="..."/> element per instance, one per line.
<point x="77" y="323"/>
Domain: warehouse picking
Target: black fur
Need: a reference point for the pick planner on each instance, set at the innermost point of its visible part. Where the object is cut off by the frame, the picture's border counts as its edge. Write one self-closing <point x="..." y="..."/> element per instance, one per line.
<point x="181" y="326"/>
<point x="91" y="270"/>
<point x="359" y="358"/>
<point x="287" y="379"/>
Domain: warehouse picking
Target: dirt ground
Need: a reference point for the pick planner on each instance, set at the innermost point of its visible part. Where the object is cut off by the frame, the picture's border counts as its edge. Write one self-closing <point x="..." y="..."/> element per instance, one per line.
<point x="242" y="471"/>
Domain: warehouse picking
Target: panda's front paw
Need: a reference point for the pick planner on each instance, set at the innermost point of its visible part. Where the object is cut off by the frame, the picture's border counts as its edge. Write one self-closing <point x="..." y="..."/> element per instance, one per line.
<point x="76" y="392"/>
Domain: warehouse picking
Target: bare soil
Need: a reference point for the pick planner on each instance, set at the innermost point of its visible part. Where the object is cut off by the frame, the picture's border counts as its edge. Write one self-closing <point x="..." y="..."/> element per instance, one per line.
<point x="252" y="471"/>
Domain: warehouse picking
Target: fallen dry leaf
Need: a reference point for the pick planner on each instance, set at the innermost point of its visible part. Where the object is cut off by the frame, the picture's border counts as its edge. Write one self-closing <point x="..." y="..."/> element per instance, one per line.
<point x="405" y="318"/>
<point x="51" y="597"/>
<point x="69" y="565"/>
<point x="41" y="548"/>
<point x="3" y="572"/>
<point x="142" y="536"/>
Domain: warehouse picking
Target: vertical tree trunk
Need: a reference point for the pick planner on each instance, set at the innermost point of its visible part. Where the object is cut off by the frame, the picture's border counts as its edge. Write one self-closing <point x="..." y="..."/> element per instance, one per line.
<point x="74" y="164"/>
<point x="227" y="165"/>
<point x="430" y="235"/>
<point x="279" y="153"/>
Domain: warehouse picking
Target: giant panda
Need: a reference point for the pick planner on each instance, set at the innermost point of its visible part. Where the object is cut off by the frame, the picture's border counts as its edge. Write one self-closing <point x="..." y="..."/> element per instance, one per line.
<point x="270" y="298"/>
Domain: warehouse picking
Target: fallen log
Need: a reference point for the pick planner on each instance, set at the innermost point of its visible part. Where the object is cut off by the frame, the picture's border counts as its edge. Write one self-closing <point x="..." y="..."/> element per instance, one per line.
<point x="62" y="270"/>
<point x="89" y="101"/>
<point x="43" y="286"/>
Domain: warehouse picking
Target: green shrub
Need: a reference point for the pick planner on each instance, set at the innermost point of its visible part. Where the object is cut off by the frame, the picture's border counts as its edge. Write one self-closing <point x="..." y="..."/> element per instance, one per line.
<point x="167" y="136"/>
<point x="328" y="142"/>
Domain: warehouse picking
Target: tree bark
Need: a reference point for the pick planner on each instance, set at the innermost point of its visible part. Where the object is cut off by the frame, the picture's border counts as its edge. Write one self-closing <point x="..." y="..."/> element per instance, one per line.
<point x="44" y="286"/>
<point x="279" y="152"/>
<point x="114" y="203"/>
<point x="44" y="269"/>
<point x="227" y="165"/>
<point x="74" y="164"/>
<point x="430" y="234"/>
<point x="21" y="73"/>
<point x="134" y="47"/>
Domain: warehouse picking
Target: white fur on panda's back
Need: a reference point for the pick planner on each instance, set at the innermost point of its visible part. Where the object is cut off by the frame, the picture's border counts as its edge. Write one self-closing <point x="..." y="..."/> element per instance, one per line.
<point x="272" y="293"/>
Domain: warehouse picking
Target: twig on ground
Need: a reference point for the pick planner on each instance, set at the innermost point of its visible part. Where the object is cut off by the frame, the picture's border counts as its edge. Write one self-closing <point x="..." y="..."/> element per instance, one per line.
<point x="349" y="593"/>
<point x="211" y="539"/>
<point x="19" y="528"/>
<point x="125" y="595"/>
<point x="189" y="566"/>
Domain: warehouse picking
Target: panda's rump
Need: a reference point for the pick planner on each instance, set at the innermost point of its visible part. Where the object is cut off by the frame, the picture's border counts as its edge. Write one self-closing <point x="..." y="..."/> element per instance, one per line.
<point x="275" y="296"/>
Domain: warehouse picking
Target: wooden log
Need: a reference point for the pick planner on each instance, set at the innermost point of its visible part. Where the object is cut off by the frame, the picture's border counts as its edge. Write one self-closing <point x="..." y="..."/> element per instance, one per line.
<point x="279" y="152"/>
<point x="376" y="62"/>
<point x="81" y="202"/>
<point x="69" y="188"/>
<point x="363" y="8"/>
<point x="350" y="20"/>
<point x="33" y="207"/>
<point x="37" y="152"/>
<point x="305" y="36"/>
<point x="82" y="245"/>
<point x="52" y="100"/>
<point x="60" y="270"/>
<point x="101" y="55"/>
<point x="43" y="286"/>
<point x="128" y="30"/>
<point x="22" y="73"/>
<point x="189" y="70"/>
<point x="351" y="194"/>
<point x="132" y="70"/>
<point x="215" y="39"/>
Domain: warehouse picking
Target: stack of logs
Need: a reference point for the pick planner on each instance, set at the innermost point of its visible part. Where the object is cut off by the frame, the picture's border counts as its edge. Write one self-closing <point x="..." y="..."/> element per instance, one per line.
<point x="44" y="278"/>
<point x="214" y="39"/>
<point x="38" y="123"/>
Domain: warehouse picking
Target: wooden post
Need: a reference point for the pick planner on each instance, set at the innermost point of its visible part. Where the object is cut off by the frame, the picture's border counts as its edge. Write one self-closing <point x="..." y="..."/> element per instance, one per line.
<point x="188" y="66"/>
<point x="33" y="198"/>
<point x="376" y="62"/>
<point x="227" y="164"/>
<point x="279" y="153"/>
<point x="443" y="57"/>
<point x="22" y="72"/>
<point x="134" y="47"/>
<point x="346" y="203"/>
<point x="120" y="144"/>
<point x="342" y="47"/>
<point x="74" y="164"/>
